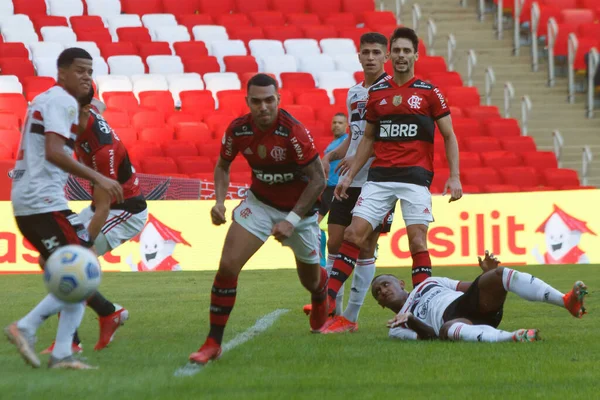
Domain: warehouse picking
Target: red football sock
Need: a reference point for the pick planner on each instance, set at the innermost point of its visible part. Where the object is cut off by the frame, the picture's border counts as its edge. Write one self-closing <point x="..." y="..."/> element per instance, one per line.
<point x="222" y="299"/>
<point x="342" y="267"/>
<point x="320" y="293"/>
<point x="421" y="268"/>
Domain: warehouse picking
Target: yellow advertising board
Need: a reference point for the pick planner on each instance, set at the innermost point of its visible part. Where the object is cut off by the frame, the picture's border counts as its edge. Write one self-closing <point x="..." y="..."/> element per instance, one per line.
<point x="521" y="228"/>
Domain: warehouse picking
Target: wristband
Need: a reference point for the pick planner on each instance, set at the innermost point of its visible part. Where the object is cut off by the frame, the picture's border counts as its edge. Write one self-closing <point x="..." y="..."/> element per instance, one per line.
<point x="293" y="218"/>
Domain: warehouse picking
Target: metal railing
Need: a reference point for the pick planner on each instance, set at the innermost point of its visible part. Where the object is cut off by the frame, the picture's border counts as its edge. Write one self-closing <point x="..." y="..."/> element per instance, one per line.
<point x="593" y="62"/>
<point x="500" y="19"/>
<point x="463" y="3"/>
<point x="490" y="81"/>
<point x="586" y="160"/>
<point x="559" y="143"/>
<point x="518" y="5"/>
<point x="480" y="9"/>
<point x="509" y="95"/>
<point x="416" y="17"/>
<point x="399" y="4"/>
<point x="535" y="23"/>
<point x="525" y="111"/>
<point x="431" y="34"/>
<point x="451" y="52"/>
<point x="471" y="64"/>
<point x="381" y="5"/>
<point x="573" y="45"/>
<point x="552" y="34"/>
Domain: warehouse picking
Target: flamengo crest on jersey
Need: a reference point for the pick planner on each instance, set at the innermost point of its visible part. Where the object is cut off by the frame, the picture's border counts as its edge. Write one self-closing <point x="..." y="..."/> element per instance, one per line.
<point x="37" y="184"/>
<point x="357" y="111"/>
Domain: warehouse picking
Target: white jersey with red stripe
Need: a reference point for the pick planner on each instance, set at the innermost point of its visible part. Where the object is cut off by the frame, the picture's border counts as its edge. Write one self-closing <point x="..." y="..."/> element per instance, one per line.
<point x="428" y="301"/>
<point x="37" y="184"/>
<point x="357" y="108"/>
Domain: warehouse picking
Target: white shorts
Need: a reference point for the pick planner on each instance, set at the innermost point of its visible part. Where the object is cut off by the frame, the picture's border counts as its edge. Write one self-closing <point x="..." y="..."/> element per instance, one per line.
<point x="377" y="198"/>
<point x="120" y="227"/>
<point x="258" y="219"/>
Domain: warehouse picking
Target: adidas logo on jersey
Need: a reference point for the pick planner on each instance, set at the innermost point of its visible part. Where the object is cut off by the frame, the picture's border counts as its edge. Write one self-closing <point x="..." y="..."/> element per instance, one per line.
<point x="382" y="102"/>
<point x="248" y="151"/>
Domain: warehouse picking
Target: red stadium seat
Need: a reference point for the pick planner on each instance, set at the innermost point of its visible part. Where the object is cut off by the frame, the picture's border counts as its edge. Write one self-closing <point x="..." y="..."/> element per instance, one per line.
<point x="233" y="20"/>
<point x="40" y="21"/>
<point x="467" y="159"/>
<point x="502" y="127"/>
<point x="439" y="161"/>
<point x="579" y="17"/>
<point x="325" y="113"/>
<point x="179" y="149"/>
<point x="201" y="65"/>
<point x="462" y="96"/>
<point x="117" y="118"/>
<point x="282" y="33"/>
<point x="127" y="135"/>
<point x="340" y="96"/>
<point x="5" y="152"/>
<point x="557" y="177"/>
<point x="373" y="19"/>
<point x="30" y="7"/>
<point x="198" y="102"/>
<point x="267" y="18"/>
<point x="190" y="50"/>
<point x="218" y="123"/>
<point x="540" y="159"/>
<point x="143" y="150"/>
<point x="297" y="80"/>
<point x="245" y="6"/>
<point x="86" y="23"/>
<point x="216" y="8"/>
<point x="313" y="98"/>
<point x="21" y="67"/>
<point x="157" y="135"/>
<point x="34" y="85"/>
<point x="233" y="101"/>
<point x="585" y="45"/>
<point x="324" y="7"/>
<point x="141" y="7"/>
<point x="158" y="165"/>
<point x="13" y="50"/>
<point x="10" y="120"/>
<point x="518" y="144"/>
<point x="178" y="117"/>
<point x="10" y="138"/>
<point x="302" y="19"/>
<point x="338" y="20"/>
<point x="427" y="65"/>
<point x="154" y="49"/>
<point x="317" y="129"/>
<point x="147" y="119"/>
<point x="481" y="144"/>
<point x="440" y="177"/>
<point x="137" y="34"/>
<point x="124" y="101"/>
<point x="287" y="6"/>
<point x="246" y="33"/>
<point x="161" y="100"/>
<point x="480" y="176"/>
<point x="524" y="177"/>
<point x="358" y="7"/>
<point x="286" y="97"/>
<point x="353" y="33"/>
<point x="457" y="112"/>
<point x="13" y="102"/>
<point x="589" y="30"/>
<point x="359" y="76"/>
<point x="209" y="149"/>
<point x="195" y="132"/>
<point x="319" y="32"/>
<point x="191" y="20"/>
<point x="194" y="165"/>
<point x="117" y="49"/>
<point x="97" y="35"/>
<point x="482" y="113"/>
<point x="500" y="159"/>
<point x="445" y="80"/>
<point x="181" y="6"/>
<point x="466" y="127"/>
<point x="500" y="188"/>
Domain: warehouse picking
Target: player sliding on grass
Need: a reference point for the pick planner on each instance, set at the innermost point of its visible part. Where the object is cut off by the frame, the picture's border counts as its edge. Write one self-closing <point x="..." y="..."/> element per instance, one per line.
<point x="468" y="311"/>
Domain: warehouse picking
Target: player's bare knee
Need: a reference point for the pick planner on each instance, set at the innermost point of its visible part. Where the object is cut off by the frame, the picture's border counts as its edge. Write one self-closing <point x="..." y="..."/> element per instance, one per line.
<point x="228" y="268"/>
<point x="352" y="235"/>
<point x="417" y="245"/>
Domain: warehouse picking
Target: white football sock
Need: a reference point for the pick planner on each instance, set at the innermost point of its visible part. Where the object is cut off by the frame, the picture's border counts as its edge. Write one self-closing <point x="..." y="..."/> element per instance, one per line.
<point x="530" y="288"/>
<point x="361" y="282"/>
<point x="477" y="333"/>
<point x="49" y="306"/>
<point x="69" y="321"/>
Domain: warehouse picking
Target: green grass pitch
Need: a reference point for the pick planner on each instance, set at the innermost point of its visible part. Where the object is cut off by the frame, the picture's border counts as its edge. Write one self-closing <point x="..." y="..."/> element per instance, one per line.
<point x="169" y="319"/>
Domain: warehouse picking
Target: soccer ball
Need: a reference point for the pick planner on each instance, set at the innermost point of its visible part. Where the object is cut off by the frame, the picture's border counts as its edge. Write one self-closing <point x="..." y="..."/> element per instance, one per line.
<point x="72" y="273"/>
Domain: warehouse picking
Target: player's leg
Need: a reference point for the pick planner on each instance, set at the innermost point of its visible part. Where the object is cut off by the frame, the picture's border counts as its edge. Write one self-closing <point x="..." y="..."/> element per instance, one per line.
<point x="463" y="330"/>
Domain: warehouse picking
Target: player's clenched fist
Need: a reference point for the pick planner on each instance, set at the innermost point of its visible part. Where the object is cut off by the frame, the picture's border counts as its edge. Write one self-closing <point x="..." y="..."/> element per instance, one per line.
<point x="282" y="230"/>
<point x="217" y="214"/>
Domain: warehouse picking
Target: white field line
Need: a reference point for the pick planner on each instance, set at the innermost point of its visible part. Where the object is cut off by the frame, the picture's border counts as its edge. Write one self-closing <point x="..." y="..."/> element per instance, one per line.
<point x="259" y="327"/>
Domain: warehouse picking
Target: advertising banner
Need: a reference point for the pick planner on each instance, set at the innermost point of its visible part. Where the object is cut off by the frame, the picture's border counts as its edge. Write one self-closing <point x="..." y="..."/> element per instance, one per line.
<point x="521" y="228"/>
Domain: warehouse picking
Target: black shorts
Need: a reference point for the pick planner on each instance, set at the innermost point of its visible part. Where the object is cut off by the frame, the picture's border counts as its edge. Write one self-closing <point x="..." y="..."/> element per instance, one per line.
<point x="340" y="212"/>
<point x="467" y="306"/>
<point x="326" y="199"/>
<point x="49" y="231"/>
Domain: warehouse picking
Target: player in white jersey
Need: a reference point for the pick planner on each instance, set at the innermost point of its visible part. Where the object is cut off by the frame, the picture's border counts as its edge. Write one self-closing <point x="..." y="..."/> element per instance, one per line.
<point x="40" y="206"/>
<point x="468" y="311"/>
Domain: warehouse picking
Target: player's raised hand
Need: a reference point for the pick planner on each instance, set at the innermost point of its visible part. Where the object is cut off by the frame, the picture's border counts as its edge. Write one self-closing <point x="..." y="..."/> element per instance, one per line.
<point x="399" y="319"/>
<point x="489" y="262"/>
<point x="113" y="187"/>
<point x="454" y="187"/>
<point x="344" y="165"/>
<point x="217" y="214"/>
<point x="282" y="230"/>
<point x="341" y="188"/>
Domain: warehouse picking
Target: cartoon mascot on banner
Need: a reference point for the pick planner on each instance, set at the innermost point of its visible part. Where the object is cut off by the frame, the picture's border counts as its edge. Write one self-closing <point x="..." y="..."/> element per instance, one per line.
<point x="563" y="235"/>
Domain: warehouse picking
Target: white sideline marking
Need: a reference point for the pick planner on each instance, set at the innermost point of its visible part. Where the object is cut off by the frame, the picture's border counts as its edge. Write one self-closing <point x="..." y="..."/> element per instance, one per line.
<point x="259" y="327"/>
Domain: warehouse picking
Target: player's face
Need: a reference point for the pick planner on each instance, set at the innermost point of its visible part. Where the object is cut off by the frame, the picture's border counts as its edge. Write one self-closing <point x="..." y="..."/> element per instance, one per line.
<point x="264" y="104"/>
<point x="338" y="125"/>
<point x="388" y="291"/>
<point x="77" y="78"/>
<point x="372" y="57"/>
<point x="403" y="56"/>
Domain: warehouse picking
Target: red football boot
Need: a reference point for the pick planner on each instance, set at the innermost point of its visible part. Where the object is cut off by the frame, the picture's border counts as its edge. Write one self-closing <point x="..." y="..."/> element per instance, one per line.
<point x="75" y="348"/>
<point x="307" y="309"/>
<point x="574" y="299"/>
<point x="210" y="350"/>
<point x="109" y="325"/>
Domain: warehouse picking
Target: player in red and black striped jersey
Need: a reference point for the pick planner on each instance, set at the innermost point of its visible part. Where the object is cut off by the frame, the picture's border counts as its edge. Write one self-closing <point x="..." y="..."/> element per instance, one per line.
<point x="287" y="180"/>
<point x="402" y="112"/>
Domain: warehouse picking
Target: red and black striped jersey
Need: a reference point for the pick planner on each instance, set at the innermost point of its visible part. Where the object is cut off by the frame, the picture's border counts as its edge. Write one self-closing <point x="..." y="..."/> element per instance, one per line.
<point x="276" y="157"/>
<point x="405" y="119"/>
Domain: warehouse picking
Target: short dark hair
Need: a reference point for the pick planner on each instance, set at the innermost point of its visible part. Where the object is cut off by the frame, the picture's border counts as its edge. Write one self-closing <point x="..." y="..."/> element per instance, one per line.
<point x="340" y="114"/>
<point x="405" y="33"/>
<point x="68" y="56"/>
<point x="373" y="37"/>
<point x="87" y="99"/>
<point x="262" y="80"/>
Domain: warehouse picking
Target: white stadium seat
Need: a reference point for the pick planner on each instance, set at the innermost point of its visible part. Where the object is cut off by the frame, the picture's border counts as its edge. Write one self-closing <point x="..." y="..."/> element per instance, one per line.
<point x="261" y="48"/>
<point x="150" y="83"/>
<point x="113" y="83"/>
<point x="19" y="21"/>
<point x="100" y="67"/>
<point x="164" y="64"/>
<point x="301" y="47"/>
<point x="154" y="21"/>
<point x="209" y="33"/>
<point x="315" y="64"/>
<point x="65" y="8"/>
<point x="60" y="34"/>
<point x="338" y="46"/>
<point x="223" y="48"/>
<point x="217" y="81"/>
<point x="11" y="84"/>
<point x="6" y="7"/>
<point x="172" y="34"/>
<point x="334" y="80"/>
<point x="141" y="77"/>
<point x="122" y="21"/>
<point x="177" y="86"/>
<point x="46" y="49"/>
<point x="189" y="76"/>
<point x="347" y="62"/>
<point x="46" y="66"/>
<point x="90" y="47"/>
<point x="126" y="65"/>
<point x="104" y="8"/>
<point x="278" y="64"/>
<point x="23" y="35"/>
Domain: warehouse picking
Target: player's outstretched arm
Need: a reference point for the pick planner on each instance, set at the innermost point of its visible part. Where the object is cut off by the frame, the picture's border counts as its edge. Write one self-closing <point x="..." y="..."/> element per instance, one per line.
<point x="217" y="213"/>
<point x="453" y="185"/>
<point x="102" y="209"/>
<point x="56" y="155"/>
